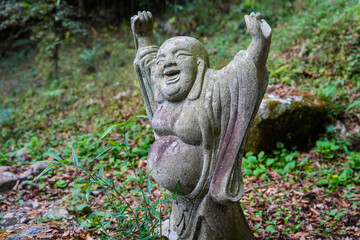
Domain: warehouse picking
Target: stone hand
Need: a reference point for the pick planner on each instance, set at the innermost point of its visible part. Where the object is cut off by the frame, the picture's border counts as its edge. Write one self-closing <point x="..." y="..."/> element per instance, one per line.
<point x="258" y="28"/>
<point x="142" y="23"/>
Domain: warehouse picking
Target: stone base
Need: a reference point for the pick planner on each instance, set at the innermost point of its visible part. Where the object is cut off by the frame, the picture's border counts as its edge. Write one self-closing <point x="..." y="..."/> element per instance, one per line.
<point x="206" y="220"/>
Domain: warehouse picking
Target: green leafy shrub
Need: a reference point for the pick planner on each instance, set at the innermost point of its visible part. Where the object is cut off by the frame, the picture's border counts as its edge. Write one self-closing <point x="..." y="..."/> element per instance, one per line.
<point x="281" y="161"/>
<point x="329" y="170"/>
<point x="118" y="217"/>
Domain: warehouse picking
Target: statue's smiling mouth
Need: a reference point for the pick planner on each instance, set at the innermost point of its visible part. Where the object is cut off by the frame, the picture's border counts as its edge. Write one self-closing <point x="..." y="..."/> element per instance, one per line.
<point x="171" y="75"/>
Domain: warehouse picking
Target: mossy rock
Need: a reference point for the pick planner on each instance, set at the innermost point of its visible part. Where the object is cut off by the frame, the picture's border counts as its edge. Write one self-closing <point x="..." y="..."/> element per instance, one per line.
<point x="294" y="120"/>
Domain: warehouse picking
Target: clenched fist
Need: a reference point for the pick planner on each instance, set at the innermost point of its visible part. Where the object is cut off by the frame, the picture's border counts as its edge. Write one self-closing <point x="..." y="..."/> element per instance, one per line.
<point x="142" y="24"/>
<point x="258" y="28"/>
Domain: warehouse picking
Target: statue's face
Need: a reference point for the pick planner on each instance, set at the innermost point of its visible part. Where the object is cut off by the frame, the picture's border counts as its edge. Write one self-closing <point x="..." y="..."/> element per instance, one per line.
<point x="176" y="69"/>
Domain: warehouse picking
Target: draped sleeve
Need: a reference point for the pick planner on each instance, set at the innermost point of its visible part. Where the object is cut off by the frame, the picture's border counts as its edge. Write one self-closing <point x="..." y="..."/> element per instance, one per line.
<point x="143" y="64"/>
<point x="240" y="89"/>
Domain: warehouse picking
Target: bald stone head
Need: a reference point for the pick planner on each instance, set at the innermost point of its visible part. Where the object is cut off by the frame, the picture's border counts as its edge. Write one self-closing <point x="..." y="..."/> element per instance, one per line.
<point x="177" y="64"/>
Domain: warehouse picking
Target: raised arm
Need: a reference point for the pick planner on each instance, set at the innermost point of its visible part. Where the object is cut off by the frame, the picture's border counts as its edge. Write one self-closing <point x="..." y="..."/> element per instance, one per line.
<point x="146" y="50"/>
<point x="260" y="32"/>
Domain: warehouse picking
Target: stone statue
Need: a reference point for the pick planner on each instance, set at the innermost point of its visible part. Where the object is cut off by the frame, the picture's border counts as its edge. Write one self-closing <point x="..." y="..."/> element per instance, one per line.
<point x="201" y="118"/>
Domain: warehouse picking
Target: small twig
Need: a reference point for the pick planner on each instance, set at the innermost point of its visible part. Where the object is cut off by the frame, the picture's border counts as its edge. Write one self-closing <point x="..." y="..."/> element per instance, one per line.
<point x="16" y="185"/>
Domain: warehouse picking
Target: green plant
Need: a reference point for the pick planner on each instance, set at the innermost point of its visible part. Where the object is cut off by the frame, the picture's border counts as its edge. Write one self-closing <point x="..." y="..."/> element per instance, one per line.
<point x="5" y="116"/>
<point x="271" y="227"/>
<point x="4" y="159"/>
<point x="327" y="147"/>
<point x="282" y="161"/>
<point x="118" y="217"/>
<point x="354" y="162"/>
<point x="34" y="146"/>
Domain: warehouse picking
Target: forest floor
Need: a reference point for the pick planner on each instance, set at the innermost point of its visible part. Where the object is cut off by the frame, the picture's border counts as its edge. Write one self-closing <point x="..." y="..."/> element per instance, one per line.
<point x="294" y="206"/>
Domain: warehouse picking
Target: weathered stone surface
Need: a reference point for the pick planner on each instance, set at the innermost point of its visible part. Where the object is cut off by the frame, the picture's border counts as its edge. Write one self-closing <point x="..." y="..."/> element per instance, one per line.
<point x="201" y="118"/>
<point x="17" y="237"/>
<point x="18" y="215"/>
<point x="21" y="222"/>
<point x="340" y="129"/>
<point x="22" y="153"/>
<point x="3" y="169"/>
<point x="13" y="218"/>
<point x="29" y="213"/>
<point x="8" y="179"/>
<point x="294" y="120"/>
<point x="38" y="167"/>
<point x="55" y="212"/>
<point x="26" y="232"/>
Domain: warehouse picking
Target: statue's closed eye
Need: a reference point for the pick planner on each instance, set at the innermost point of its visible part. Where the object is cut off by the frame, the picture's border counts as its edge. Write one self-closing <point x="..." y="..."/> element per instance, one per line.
<point x="182" y="54"/>
<point x="160" y="61"/>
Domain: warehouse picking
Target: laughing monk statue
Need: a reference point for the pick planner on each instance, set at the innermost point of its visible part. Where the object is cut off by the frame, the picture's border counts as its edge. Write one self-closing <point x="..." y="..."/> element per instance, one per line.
<point x="201" y="118"/>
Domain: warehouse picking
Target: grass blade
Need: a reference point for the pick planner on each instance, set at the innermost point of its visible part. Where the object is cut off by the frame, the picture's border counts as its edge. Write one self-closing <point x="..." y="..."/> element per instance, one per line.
<point x="100" y="154"/>
<point x="75" y="157"/>
<point x="108" y="129"/>
<point x="45" y="171"/>
<point x="54" y="156"/>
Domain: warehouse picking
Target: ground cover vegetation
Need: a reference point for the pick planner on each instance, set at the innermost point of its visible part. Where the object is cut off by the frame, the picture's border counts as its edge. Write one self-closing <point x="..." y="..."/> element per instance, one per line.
<point x="66" y="77"/>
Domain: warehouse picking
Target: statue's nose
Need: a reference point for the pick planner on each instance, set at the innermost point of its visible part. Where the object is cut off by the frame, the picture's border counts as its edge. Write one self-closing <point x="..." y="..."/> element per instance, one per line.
<point x="169" y="63"/>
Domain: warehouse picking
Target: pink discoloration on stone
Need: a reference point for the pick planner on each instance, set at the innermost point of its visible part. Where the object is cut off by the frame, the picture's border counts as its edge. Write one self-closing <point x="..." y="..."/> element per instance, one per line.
<point x="171" y="161"/>
<point x="180" y="120"/>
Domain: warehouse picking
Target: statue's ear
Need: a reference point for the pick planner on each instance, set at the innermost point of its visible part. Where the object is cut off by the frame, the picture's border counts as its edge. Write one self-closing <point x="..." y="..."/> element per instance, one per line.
<point x="197" y="87"/>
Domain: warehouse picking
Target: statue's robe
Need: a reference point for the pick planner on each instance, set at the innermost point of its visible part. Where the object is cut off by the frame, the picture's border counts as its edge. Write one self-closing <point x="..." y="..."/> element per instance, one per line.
<point x="226" y="102"/>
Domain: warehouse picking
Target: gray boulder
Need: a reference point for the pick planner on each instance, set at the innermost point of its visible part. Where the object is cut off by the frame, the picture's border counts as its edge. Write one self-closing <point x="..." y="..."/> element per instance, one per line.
<point x="19" y="215"/>
<point x="37" y="168"/>
<point x="14" y="218"/>
<point x="55" y="212"/>
<point x="294" y="120"/>
<point x="16" y="237"/>
<point x="22" y="153"/>
<point x="25" y="232"/>
<point x="8" y="179"/>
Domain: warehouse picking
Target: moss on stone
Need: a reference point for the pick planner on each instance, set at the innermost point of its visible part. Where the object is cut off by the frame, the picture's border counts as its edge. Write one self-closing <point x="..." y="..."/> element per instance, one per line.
<point x="297" y="125"/>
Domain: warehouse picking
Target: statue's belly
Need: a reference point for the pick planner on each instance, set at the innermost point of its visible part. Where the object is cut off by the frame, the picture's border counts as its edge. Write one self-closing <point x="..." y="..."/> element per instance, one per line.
<point x="171" y="161"/>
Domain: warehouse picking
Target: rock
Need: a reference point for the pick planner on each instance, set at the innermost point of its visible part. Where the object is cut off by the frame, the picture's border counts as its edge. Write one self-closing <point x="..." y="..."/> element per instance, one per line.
<point x="293" y="120"/>
<point x="25" y="232"/>
<point x="19" y="215"/>
<point x="55" y="212"/>
<point x="20" y="224"/>
<point x="22" y="153"/>
<point x="38" y="167"/>
<point x="16" y="237"/>
<point x="96" y="193"/>
<point x="3" y="168"/>
<point x="122" y="94"/>
<point x="14" y="218"/>
<point x="339" y="128"/>
<point x="7" y="181"/>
